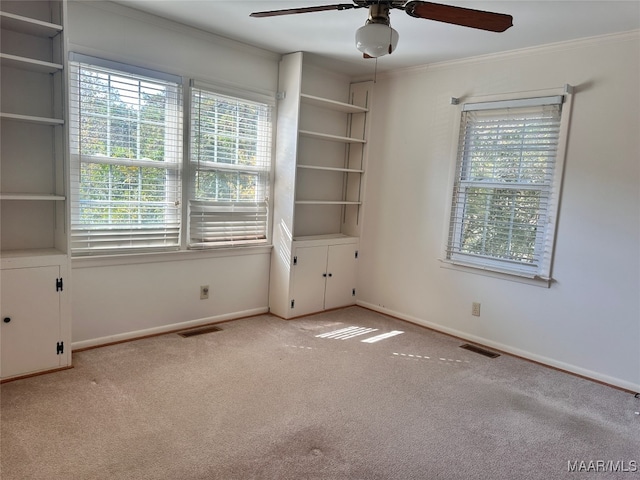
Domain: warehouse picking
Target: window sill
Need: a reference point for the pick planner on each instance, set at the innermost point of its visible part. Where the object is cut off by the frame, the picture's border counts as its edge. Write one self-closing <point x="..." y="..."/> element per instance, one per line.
<point x="158" y="257"/>
<point x="538" y="282"/>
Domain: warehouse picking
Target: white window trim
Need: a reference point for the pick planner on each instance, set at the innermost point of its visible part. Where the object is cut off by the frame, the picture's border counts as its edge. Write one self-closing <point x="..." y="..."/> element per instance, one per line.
<point x="182" y="251"/>
<point x="556" y="189"/>
<point x="124" y="67"/>
<point x="250" y="95"/>
<point x="172" y="167"/>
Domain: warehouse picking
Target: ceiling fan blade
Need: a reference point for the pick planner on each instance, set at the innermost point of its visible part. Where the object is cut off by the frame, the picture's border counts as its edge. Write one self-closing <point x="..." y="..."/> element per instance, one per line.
<point x="291" y="11"/>
<point x="466" y="17"/>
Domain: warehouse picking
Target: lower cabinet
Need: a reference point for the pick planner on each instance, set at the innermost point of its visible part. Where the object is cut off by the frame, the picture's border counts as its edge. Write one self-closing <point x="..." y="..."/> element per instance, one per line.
<point x="32" y="331"/>
<point x="323" y="276"/>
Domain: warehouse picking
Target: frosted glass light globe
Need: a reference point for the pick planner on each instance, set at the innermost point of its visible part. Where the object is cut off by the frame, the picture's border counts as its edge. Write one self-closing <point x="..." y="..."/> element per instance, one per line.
<point x="376" y="39"/>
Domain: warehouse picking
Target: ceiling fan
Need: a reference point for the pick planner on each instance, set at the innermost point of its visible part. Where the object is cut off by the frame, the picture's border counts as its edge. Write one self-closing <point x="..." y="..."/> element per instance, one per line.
<point x="377" y="37"/>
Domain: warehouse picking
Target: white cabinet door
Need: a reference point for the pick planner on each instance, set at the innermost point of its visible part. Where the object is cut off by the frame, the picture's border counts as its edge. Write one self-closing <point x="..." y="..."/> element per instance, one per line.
<point x="341" y="276"/>
<point x="324" y="277"/>
<point x="309" y="270"/>
<point x="30" y="316"/>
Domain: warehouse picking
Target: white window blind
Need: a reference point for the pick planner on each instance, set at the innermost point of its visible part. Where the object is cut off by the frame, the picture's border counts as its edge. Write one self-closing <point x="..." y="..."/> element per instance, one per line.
<point x="505" y="195"/>
<point x="230" y="150"/>
<point x="126" y="147"/>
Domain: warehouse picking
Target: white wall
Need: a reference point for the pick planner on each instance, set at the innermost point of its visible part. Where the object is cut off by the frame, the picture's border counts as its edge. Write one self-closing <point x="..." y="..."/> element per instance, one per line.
<point x="588" y="321"/>
<point x="115" y="299"/>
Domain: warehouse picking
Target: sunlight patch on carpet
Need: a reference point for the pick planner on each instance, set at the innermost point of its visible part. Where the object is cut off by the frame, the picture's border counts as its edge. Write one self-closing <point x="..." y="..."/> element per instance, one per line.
<point x="346" y="333"/>
<point x="382" y="336"/>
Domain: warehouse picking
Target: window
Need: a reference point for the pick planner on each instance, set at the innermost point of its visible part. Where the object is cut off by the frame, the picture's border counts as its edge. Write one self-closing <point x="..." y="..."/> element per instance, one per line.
<point x="230" y="156"/>
<point x="506" y="186"/>
<point x="126" y="146"/>
<point x="129" y="179"/>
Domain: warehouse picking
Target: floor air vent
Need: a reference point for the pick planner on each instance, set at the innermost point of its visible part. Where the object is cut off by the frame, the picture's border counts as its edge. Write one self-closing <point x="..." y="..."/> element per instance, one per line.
<point x="481" y="351"/>
<point x="199" y="331"/>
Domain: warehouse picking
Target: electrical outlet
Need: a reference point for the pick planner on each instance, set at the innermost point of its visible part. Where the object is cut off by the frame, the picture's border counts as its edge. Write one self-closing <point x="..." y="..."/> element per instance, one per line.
<point x="475" y="309"/>
<point x="204" y="292"/>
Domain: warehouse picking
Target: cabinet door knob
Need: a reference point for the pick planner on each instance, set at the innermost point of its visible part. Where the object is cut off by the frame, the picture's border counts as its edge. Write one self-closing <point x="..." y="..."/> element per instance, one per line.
<point x="331" y="274"/>
<point x="324" y="275"/>
<point x="6" y="319"/>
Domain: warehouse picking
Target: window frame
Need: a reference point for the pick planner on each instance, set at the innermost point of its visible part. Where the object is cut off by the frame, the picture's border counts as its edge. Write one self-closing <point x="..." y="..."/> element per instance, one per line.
<point x="170" y="166"/>
<point x="183" y="168"/>
<point x="266" y="99"/>
<point x="494" y="267"/>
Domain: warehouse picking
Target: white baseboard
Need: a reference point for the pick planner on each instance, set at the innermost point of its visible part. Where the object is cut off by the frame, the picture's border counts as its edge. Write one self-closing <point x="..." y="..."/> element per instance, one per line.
<point x="590" y="374"/>
<point x="121" y="337"/>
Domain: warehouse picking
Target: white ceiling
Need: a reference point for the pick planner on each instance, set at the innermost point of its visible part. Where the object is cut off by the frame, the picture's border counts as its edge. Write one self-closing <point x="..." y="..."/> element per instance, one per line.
<point x="331" y="34"/>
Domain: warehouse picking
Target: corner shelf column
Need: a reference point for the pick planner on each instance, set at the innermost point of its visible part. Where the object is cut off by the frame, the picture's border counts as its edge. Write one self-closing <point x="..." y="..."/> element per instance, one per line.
<point x="321" y="149"/>
<point x="34" y="189"/>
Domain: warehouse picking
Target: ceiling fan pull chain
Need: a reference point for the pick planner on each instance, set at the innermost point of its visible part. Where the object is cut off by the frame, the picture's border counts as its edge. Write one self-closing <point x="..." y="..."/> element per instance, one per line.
<point x="375" y="71"/>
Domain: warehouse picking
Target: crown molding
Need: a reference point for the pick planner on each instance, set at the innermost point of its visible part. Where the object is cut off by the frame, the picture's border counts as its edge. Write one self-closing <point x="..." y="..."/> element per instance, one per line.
<point x="612" y="38"/>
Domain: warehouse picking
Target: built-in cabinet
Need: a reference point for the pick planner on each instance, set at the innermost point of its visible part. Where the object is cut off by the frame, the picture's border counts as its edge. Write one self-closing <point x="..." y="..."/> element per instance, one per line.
<point x="33" y="331"/>
<point x="323" y="274"/>
<point x="34" y="186"/>
<point x="321" y="151"/>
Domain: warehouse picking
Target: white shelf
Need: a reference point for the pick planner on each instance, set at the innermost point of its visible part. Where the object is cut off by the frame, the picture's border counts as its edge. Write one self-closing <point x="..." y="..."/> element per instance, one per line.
<point x="332" y="238"/>
<point x="31" y="119"/>
<point x="326" y="202"/>
<point x="331" y="104"/>
<point x="331" y="169"/>
<point x="331" y="138"/>
<point x="30" y="26"/>
<point x="26" y="63"/>
<point x="34" y="252"/>
<point x="32" y="196"/>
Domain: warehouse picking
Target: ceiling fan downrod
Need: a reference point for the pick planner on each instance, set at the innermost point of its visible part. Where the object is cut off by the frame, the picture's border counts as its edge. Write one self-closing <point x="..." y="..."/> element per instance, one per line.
<point x="379" y="13"/>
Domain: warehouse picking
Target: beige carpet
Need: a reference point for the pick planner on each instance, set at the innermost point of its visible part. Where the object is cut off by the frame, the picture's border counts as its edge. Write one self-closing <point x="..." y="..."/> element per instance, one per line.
<point x="266" y="398"/>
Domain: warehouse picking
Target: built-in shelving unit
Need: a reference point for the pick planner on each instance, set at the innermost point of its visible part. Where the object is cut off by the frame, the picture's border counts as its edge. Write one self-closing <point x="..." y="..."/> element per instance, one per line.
<point x="321" y="153"/>
<point x="330" y="157"/>
<point x="34" y="185"/>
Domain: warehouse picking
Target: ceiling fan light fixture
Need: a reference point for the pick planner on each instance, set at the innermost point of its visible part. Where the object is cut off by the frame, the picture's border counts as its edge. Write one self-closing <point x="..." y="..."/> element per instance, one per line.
<point x="376" y="39"/>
